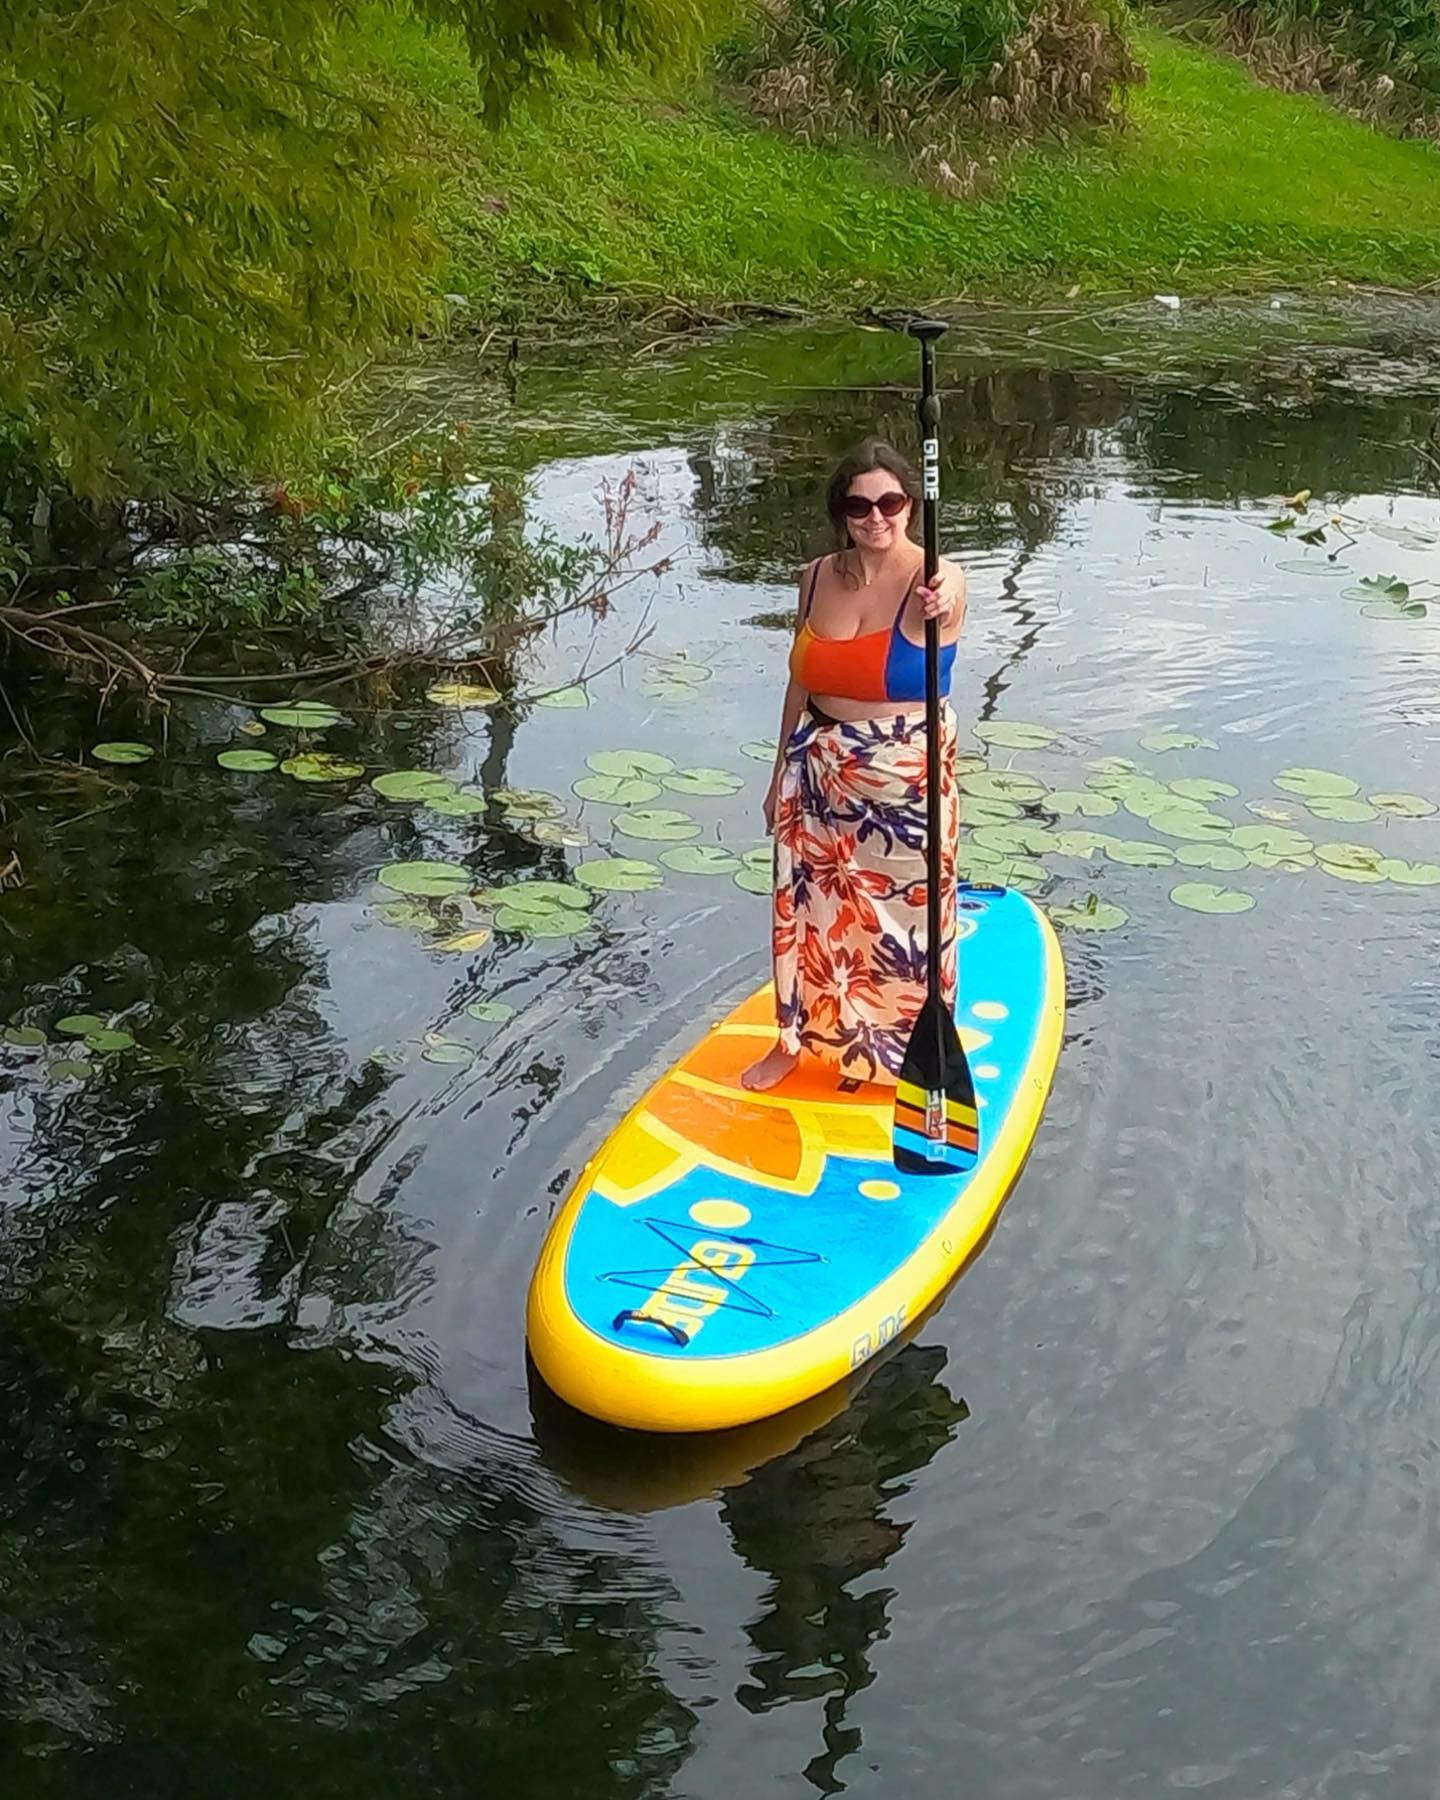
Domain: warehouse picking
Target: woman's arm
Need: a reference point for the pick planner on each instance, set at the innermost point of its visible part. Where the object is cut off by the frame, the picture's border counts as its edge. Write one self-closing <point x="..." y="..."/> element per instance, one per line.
<point x="791" y="708"/>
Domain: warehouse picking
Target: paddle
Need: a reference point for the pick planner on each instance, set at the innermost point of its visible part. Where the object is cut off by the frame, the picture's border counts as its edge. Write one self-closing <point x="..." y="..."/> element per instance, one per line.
<point x="936" y="1123"/>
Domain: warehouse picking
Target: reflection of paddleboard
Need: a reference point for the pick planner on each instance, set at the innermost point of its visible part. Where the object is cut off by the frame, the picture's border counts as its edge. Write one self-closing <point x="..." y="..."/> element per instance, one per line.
<point x="639" y="1472"/>
<point x="726" y="1255"/>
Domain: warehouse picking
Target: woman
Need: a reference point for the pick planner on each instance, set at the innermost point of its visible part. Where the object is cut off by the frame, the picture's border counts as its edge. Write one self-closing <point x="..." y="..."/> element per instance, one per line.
<point x="846" y="802"/>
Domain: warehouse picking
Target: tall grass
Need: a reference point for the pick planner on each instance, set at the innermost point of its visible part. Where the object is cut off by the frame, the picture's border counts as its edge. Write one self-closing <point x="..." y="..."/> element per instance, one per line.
<point x="1378" y="59"/>
<point x="931" y="78"/>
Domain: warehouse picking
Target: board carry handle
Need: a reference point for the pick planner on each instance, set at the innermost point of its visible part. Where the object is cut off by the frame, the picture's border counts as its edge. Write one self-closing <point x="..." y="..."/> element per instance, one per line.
<point x="621" y="1319"/>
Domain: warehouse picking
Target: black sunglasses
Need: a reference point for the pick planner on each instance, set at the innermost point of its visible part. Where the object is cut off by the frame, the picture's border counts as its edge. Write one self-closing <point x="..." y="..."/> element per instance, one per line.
<point x="889" y="506"/>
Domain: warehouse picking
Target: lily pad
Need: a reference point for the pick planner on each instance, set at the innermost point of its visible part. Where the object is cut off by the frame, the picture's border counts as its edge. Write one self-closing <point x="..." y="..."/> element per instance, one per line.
<point x="404" y="914"/>
<point x="462" y="694"/>
<point x="1005" y="840"/>
<point x="975" y="811"/>
<point x="568" y="699"/>
<point x="563" y="834"/>
<point x="1022" y="872"/>
<point x="657" y="824"/>
<point x="1010" y="736"/>
<point x="248" y="762"/>
<point x="69" y="1068"/>
<point x="464" y="941"/>
<point x="759" y="856"/>
<point x="1405" y="535"/>
<point x="455" y="805"/>
<point x="490" y="1012"/>
<point x="109" y="1043"/>
<point x="700" y="859"/>
<point x="1112" y="765"/>
<point x="1140" y="856"/>
<point x="252" y="728"/>
<point x="24" y="1037"/>
<point x="536" y="897"/>
<point x="1391" y="609"/>
<point x="1077" y="802"/>
<point x="303" y="715"/>
<point x="411" y="784"/>
<point x="1267" y="809"/>
<point x="1404" y="806"/>
<point x="314" y="767"/>
<point x="528" y="803"/>
<point x="1161" y="741"/>
<point x="1317" y="784"/>
<point x="1408" y="874"/>
<point x="1273" y="840"/>
<point x="425" y="879"/>
<point x="754" y="880"/>
<point x="682" y="669"/>
<point x="1307" y="565"/>
<point x="1212" y="856"/>
<point x="1003" y="785"/>
<point x="1094" y="915"/>
<point x="1146" y="802"/>
<point x="970" y="865"/>
<point x="1345" y="872"/>
<point x="629" y="763"/>
<point x="1341" y="812"/>
<point x="1286" y="865"/>
<point x="1079" y="844"/>
<point x="446" y="1050"/>
<point x="123" y="753"/>
<point x="1206" y="897"/>
<point x="559" y="922"/>
<point x="1348" y="856"/>
<point x="760" y="749"/>
<point x="617" y="790"/>
<point x="1203" y="789"/>
<point x="81" y="1024"/>
<point x="705" y="783"/>
<point x="620" y="875"/>
<point x="1191" y="825"/>
<point x="1378" y="587"/>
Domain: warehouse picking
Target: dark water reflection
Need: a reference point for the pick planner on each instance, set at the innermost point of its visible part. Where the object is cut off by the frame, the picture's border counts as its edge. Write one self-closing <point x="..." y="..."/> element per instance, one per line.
<point x="1150" y="1503"/>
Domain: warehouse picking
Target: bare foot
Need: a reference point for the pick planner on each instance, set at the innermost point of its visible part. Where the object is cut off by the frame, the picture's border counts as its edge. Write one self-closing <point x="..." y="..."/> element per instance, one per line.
<point x="770" y="1071"/>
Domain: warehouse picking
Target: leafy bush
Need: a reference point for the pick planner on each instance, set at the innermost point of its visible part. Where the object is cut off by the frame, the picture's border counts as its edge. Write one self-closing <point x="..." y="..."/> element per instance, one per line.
<point x="1378" y="59"/>
<point x="927" y="75"/>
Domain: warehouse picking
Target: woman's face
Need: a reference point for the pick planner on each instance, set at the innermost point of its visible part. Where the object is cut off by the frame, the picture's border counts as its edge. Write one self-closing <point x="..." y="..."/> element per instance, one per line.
<point x="874" y="531"/>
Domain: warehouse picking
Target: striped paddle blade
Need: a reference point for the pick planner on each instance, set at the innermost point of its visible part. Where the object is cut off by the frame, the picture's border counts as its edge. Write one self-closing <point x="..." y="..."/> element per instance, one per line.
<point x="937" y="1127"/>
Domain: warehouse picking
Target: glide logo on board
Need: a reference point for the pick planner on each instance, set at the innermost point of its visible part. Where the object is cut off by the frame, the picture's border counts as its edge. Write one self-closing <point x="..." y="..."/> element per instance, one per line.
<point x="686" y="1298"/>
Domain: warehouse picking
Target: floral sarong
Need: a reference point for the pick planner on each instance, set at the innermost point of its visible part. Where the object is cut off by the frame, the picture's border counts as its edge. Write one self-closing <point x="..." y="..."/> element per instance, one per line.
<point x="849" y="931"/>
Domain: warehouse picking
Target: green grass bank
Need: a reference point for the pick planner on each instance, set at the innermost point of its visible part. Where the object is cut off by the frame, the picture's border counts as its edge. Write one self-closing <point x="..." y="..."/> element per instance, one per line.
<point x="621" y="189"/>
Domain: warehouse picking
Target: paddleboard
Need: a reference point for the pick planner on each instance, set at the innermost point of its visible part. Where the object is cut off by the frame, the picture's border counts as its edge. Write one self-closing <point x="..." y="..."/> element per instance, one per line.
<point x="726" y="1255"/>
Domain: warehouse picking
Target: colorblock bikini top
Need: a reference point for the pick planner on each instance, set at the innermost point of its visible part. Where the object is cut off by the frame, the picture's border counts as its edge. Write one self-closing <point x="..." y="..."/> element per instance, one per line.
<point x="876" y="666"/>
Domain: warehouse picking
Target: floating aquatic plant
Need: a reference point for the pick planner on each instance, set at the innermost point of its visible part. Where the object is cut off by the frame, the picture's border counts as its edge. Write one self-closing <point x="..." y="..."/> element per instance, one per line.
<point x="303" y="715"/>
<point x="1206" y="897"/>
<point x="657" y="824"/>
<point x="431" y="880"/>
<point x="248" y="762"/>
<point x="122" y="754"/>
<point x="619" y="875"/>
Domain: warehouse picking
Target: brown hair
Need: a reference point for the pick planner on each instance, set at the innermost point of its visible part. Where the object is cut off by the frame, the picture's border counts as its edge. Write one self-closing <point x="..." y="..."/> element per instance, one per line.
<point x="865" y="459"/>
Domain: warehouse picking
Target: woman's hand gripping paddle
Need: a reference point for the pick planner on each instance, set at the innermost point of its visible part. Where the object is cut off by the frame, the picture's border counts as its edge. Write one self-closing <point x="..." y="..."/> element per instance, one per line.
<point x="936" y="1122"/>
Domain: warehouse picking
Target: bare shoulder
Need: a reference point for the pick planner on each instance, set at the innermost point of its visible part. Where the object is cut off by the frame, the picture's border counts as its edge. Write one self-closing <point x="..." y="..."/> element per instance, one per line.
<point x="810" y="577"/>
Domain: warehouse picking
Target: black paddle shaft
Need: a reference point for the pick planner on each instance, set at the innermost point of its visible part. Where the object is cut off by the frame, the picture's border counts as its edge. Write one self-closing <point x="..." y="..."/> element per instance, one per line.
<point x="928" y="330"/>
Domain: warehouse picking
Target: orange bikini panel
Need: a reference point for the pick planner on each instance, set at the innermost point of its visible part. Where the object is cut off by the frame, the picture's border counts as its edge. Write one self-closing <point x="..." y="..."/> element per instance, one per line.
<point x="851" y="667"/>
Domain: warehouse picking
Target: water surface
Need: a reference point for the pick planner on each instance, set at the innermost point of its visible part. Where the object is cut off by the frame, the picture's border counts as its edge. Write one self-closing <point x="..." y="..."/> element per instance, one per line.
<point x="1149" y="1503"/>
